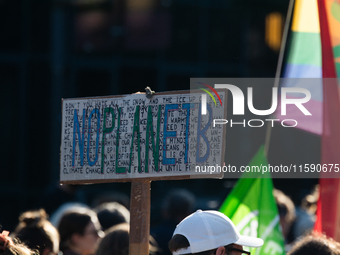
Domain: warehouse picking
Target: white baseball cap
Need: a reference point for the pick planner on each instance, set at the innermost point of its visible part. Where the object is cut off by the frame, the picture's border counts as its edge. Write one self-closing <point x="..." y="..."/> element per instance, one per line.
<point x="208" y="230"/>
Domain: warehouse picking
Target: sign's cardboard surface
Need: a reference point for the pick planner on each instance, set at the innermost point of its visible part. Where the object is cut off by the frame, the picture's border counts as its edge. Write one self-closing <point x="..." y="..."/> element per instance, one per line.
<point x="120" y="138"/>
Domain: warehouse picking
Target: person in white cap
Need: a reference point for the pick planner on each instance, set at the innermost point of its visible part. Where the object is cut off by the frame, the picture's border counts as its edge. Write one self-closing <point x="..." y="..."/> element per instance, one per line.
<point x="207" y="233"/>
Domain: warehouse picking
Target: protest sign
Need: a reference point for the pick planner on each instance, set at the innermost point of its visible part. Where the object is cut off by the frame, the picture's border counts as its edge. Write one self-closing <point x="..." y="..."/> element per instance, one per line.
<point x="140" y="139"/>
<point x="120" y="138"/>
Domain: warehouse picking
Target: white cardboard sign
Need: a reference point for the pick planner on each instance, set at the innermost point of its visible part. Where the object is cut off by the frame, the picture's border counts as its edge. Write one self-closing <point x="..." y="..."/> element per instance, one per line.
<point x="119" y="138"/>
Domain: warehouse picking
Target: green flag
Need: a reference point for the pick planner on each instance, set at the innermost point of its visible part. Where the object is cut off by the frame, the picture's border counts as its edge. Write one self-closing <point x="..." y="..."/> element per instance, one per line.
<point x="252" y="207"/>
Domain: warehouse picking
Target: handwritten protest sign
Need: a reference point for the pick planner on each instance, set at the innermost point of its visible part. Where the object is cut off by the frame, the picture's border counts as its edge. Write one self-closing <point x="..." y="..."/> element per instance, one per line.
<point x="119" y="138"/>
<point x="134" y="138"/>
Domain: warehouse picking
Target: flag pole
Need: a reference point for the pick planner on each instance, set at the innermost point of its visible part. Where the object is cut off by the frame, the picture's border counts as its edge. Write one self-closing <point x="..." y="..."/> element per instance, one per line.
<point x="279" y="68"/>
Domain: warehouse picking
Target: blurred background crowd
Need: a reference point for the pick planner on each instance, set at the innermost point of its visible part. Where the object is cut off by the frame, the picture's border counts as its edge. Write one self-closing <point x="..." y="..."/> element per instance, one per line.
<point x="75" y="228"/>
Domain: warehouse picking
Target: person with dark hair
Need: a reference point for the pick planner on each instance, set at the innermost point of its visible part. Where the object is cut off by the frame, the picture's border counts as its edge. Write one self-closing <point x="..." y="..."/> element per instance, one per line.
<point x="37" y="232"/>
<point x="177" y="204"/>
<point x="208" y="233"/>
<point x="79" y="232"/>
<point x="8" y="246"/>
<point x="315" y="245"/>
<point x="112" y="213"/>
<point x="287" y="214"/>
<point x="116" y="241"/>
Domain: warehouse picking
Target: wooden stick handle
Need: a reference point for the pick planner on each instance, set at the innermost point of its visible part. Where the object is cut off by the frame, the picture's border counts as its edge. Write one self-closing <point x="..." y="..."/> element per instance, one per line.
<point x="139" y="218"/>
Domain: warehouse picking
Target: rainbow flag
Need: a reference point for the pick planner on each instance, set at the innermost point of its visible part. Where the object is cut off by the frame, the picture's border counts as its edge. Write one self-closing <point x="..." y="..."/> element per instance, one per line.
<point x="304" y="56"/>
<point x="315" y="53"/>
<point x="304" y="60"/>
<point x="333" y="17"/>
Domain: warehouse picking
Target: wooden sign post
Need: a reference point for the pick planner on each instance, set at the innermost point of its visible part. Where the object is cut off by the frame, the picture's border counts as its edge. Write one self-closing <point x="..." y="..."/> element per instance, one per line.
<point x="140" y="215"/>
<point x="136" y="139"/>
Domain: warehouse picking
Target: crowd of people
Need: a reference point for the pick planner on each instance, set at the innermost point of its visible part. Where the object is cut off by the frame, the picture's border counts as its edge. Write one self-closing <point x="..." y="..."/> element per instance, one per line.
<point x="76" y="229"/>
